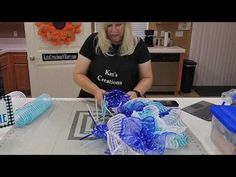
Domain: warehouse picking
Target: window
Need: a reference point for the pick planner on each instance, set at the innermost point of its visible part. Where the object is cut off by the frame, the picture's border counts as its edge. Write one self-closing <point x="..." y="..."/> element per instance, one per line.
<point x="137" y="27"/>
<point x="97" y="26"/>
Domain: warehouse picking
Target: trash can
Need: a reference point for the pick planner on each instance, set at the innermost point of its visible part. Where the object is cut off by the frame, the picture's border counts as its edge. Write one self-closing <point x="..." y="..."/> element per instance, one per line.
<point x="188" y="75"/>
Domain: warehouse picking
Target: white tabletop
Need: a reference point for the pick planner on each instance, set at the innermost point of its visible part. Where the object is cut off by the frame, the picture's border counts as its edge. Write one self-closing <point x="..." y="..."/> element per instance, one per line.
<point x="200" y="128"/>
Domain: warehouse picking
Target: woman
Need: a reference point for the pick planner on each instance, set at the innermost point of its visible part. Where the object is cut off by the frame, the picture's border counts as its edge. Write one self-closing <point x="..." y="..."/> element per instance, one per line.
<point x="113" y="58"/>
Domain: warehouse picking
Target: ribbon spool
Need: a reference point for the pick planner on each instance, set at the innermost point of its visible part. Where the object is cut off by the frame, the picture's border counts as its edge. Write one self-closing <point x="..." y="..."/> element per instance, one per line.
<point x="32" y="110"/>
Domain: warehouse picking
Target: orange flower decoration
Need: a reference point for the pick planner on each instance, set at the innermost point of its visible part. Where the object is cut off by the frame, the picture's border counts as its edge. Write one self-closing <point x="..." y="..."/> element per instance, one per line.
<point x="58" y="33"/>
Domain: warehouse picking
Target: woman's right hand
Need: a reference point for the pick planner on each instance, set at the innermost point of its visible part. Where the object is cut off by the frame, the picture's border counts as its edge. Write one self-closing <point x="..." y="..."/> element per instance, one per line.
<point x="99" y="95"/>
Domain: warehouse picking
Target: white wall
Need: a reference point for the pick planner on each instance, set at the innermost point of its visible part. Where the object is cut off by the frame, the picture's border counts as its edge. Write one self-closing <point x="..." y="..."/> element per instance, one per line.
<point x="213" y="47"/>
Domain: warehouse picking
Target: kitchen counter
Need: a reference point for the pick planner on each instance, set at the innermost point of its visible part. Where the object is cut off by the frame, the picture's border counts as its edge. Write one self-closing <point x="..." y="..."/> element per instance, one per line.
<point x="12" y="45"/>
<point x="162" y="49"/>
<point x="19" y="45"/>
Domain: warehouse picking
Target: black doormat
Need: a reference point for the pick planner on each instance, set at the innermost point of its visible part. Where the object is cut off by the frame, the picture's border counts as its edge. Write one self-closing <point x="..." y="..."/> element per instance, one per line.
<point x="212" y="91"/>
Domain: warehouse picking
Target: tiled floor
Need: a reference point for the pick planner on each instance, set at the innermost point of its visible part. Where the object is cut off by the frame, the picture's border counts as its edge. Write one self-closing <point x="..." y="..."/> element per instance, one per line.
<point x="156" y="95"/>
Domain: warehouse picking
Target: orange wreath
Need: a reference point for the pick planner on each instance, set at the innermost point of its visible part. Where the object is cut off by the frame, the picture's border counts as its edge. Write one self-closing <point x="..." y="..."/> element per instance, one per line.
<point x="61" y="35"/>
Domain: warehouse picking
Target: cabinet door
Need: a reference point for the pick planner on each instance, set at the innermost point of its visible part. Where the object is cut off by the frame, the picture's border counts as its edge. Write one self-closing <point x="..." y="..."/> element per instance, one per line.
<point x="5" y="73"/>
<point x="6" y="79"/>
<point x="21" y="72"/>
<point x="165" y="73"/>
<point x="22" y="76"/>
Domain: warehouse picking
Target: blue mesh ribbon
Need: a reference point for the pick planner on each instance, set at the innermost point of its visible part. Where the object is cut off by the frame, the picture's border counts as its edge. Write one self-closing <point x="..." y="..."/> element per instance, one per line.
<point x="138" y="105"/>
<point x="100" y="130"/>
<point x="115" y="98"/>
<point x="140" y="135"/>
<point x="234" y="98"/>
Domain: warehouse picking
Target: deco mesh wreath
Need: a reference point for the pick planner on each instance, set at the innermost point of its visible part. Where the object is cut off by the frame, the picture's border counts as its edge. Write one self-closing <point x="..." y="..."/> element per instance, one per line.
<point x="58" y="33"/>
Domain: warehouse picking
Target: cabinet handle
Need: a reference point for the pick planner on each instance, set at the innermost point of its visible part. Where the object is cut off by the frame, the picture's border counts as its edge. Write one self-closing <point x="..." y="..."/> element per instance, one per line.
<point x="32" y="58"/>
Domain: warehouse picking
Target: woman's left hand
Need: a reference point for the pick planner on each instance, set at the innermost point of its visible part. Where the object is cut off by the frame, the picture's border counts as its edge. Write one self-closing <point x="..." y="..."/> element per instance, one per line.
<point x="132" y="95"/>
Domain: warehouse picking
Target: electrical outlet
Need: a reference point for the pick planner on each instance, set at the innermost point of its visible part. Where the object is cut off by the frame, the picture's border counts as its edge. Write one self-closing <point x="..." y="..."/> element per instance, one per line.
<point x="179" y="34"/>
<point x="15" y="34"/>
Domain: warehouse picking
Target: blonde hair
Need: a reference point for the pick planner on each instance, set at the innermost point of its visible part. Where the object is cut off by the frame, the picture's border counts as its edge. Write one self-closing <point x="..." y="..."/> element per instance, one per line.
<point x="128" y="45"/>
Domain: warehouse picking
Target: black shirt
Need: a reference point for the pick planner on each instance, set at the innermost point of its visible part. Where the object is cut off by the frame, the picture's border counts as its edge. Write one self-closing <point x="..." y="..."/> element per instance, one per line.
<point x="113" y="72"/>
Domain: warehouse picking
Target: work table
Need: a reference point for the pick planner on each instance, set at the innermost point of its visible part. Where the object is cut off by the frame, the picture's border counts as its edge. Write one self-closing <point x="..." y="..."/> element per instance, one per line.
<point x="59" y="129"/>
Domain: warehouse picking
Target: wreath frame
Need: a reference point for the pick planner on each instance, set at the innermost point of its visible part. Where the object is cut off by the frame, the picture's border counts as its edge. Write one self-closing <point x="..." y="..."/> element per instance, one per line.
<point x="50" y="33"/>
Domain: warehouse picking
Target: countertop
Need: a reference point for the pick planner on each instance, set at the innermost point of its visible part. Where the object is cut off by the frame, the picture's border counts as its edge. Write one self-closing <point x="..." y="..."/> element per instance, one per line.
<point x="12" y="45"/>
<point x="162" y="49"/>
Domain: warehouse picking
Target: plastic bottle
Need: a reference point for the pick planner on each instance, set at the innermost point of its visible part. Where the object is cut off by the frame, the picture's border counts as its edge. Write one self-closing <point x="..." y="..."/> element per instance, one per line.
<point x="166" y="39"/>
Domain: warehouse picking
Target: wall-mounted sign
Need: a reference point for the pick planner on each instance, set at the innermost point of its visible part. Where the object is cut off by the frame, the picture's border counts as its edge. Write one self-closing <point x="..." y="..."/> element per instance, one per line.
<point x="6" y="111"/>
<point x="59" y="56"/>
